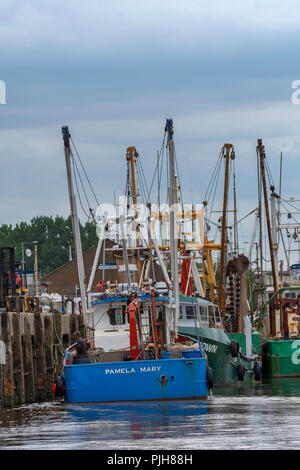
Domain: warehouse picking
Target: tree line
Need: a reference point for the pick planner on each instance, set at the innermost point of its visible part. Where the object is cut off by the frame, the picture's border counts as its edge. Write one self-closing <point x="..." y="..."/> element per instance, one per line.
<point x="54" y="237"/>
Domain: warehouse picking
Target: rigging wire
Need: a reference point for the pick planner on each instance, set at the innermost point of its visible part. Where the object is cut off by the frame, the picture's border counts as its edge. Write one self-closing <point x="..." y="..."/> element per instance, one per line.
<point x="288" y="202"/>
<point x="179" y="179"/>
<point x="88" y="180"/>
<point x="75" y="169"/>
<point x="268" y="171"/>
<point x="292" y="216"/>
<point x="247" y="215"/>
<point x="141" y="180"/>
<point x="215" y="185"/>
<point x="208" y="191"/>
<point x="157" y="168"/>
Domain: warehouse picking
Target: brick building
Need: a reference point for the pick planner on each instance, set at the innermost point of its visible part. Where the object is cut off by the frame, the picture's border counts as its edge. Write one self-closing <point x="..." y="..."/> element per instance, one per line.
<point x="64" y="279"/>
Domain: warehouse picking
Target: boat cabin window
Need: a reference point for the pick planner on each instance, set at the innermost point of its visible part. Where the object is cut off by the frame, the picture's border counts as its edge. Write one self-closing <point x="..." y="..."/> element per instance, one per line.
<point x="211" y="314"/>
<point x="190" y="311"/>
<point x="116" y="316"/>
<point x="218" y="316"/>
<point x="290" y="295"/>
<point x="180" y="317"/>
<point x="203" y="313"/>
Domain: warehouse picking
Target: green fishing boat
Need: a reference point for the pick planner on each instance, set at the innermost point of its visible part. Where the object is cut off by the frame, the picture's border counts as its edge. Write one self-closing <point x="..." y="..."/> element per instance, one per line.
<point x="223" y="326"/>
<point x="281" y="354"/>
<point x="279" y="304"/>
<point x="281" y="358"/>
<point x="201" y="320"/>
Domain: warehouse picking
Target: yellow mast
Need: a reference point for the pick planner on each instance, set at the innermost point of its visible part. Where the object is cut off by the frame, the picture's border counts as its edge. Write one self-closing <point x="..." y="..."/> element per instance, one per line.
<point x="210" y="269"/>
<point x="131" y="154"/>
<point x="131" y="157"/>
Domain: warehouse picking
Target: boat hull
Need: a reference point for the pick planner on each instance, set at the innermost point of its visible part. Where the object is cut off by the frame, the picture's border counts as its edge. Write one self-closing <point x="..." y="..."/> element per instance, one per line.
<point x="281" y="358"/>
<point x="162" y="379"/>
<point x="216" y="344"/>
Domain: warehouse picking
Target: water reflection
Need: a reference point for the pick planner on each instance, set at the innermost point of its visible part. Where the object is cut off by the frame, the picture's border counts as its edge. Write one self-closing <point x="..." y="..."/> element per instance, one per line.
<point x="142" y="420"/>
<point x="242" y="416"/>
<point x="268" y="387"/>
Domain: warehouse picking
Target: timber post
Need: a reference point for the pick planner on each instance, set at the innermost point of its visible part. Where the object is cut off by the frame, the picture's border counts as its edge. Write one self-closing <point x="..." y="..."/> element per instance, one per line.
<point x="28" y="363"/>
<point x="31" y="353"/>
<point x="48" y="326"/>
<point x="18" y="371"/>
<point x="39" y="357"/>
<point x="8" y="387"/>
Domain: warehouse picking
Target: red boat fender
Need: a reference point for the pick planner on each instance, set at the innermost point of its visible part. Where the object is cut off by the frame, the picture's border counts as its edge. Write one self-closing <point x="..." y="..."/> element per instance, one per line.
<point x="59" y="387"/>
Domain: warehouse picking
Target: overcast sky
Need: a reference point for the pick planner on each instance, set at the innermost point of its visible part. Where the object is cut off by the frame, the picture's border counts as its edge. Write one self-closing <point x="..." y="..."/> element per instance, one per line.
<point x="114" y="71"/>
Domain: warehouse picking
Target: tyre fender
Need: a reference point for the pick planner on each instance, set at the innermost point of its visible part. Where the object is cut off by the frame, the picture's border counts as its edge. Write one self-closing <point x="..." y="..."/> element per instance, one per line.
<point x="234" y="348"/>
<point x="209" y="377"/>
<point x="58" y="388"/>
<point x="240" y="372"/>
<point x="257" y="371"/>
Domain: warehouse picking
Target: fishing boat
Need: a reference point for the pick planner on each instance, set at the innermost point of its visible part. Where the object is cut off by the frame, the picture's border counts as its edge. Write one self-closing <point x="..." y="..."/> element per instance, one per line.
<point x="224" y="352"/>
<point x="277" y="301"/>
<point x="217" y="312"/>
<point x="158" y="364"/>
<point x="230" y="354"/>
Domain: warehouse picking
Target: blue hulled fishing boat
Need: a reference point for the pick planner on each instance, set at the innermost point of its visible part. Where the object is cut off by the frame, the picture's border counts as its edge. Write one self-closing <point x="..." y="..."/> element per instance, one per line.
<point x="158" y="364"/>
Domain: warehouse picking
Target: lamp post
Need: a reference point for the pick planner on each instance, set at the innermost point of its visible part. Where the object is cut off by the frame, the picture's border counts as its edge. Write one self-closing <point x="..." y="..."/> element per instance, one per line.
<point x="35" y="242"/>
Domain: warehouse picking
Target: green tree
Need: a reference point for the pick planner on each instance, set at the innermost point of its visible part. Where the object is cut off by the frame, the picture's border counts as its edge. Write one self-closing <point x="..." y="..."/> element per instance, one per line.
<point x="54" y="236"/>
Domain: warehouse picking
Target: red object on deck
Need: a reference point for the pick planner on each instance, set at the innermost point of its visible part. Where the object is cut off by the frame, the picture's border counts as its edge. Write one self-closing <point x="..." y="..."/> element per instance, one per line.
<point x="134" y="345"/>
<point x="100" y="286"/>
<point x="185" y="269"/>
<point x="155" y="333"/>
<point x="18" y="279"/>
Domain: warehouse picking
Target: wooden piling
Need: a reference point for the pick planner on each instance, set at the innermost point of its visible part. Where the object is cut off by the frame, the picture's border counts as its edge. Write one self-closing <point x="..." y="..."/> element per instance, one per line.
<point x="2" y="361"/>
<point x="39" y="358"/>
<point x="17" y="363"/>
<point x="1" y="387"/>
<point x="57" y="345"/>
<point x="34" y="345"/>
<point x="29" y="384"/>
<point x="8" y="386"/>
<point x="48" y="325"/>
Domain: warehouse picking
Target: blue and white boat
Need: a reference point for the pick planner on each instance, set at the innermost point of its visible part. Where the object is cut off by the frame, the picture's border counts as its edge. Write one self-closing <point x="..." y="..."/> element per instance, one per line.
<point x="140" y="372"/>
<point x="158" y="364"/>
<point x="161" y="379"/>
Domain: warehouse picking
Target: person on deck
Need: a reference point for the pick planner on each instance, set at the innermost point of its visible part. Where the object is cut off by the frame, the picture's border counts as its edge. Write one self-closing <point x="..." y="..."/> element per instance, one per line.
<point x="81" y="347"/>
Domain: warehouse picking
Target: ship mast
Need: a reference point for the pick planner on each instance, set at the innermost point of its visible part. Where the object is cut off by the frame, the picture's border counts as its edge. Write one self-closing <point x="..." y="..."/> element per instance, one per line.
<point x="274" y="320"/>
<point x="76" y="229"/>
<point x="173" y="221"/>
<point x="228" y="153"/>
<point x="131" y="157"/>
